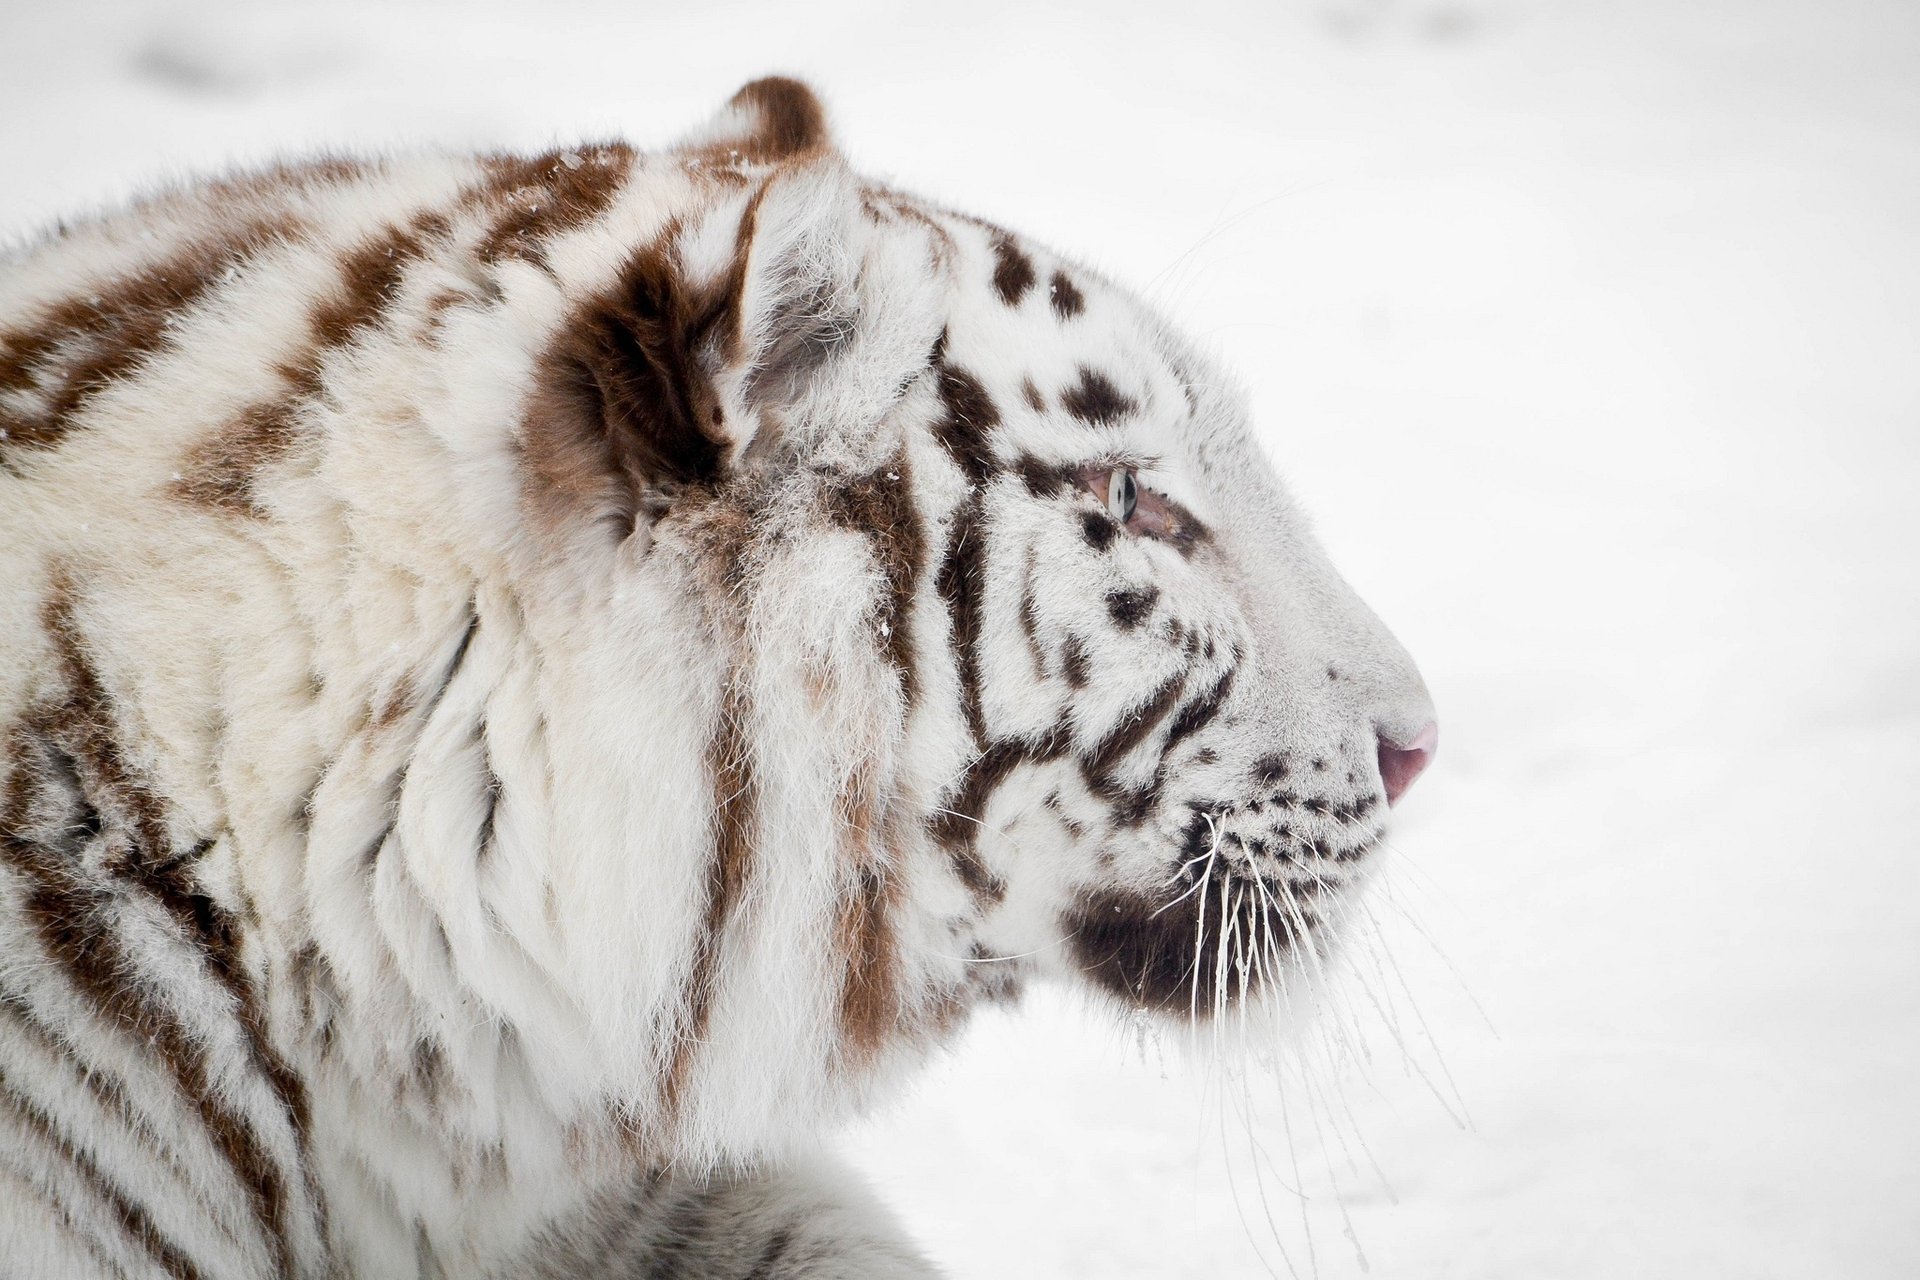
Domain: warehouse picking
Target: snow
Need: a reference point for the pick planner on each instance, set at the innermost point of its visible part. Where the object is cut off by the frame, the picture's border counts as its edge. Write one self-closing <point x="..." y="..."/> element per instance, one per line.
<point x="1589" y="330"/>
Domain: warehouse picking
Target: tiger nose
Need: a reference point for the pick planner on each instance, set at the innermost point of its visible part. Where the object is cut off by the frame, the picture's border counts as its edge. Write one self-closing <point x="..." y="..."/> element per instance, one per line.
<point x="1400" y="765"/>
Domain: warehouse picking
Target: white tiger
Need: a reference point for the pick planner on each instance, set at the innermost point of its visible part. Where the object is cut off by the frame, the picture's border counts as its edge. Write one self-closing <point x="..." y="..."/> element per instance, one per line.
<point x="534" y="686"/>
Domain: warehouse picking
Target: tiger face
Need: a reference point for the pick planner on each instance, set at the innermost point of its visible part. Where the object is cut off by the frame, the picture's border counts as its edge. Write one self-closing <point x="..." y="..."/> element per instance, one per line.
<point x="1185" y="730"/>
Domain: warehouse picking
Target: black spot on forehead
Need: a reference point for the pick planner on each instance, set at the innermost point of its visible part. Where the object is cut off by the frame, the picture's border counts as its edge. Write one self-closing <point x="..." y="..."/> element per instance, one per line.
<point x="1013" y="272"/>
<point x="1095" y="399"/>
<point x="1067" y="300"/>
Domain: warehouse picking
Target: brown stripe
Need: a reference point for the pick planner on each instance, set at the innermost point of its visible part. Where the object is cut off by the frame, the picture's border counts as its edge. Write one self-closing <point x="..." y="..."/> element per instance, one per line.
<point x="1075" y="665"/>
<point x="735" y="822"/>
<point x="155" y="867"/>
<point x="1030" y="615"/>
<point x="962" y="584"/>
<point x="107" y="1092"/>
<point x="865" y="933"/>
<point x="75" y="739"/>
<point x="74" y="926"/>
<point x="293" y="176"/>
<point x="957" y="824"/>
<point x="224" y="470"/>
<point x="1198" y="713"/>
<point x="880" y="505"/>
<point x="132" y="1218"/>
<point x="1133" y="729"/>
<point x="544" y="196"/>
<point x="85" y="1237"/>
<point x="963" y="429"/>
<point x="112" y="331"/>
<point x="870" y="996"/>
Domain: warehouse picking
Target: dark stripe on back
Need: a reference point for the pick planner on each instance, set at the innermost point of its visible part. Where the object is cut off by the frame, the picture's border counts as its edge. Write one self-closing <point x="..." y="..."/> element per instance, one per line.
<point x="113" y="330"/>
<point x="105" y="1087"/>
<point x="544" y="196"/>
<point x="224" y="470"/>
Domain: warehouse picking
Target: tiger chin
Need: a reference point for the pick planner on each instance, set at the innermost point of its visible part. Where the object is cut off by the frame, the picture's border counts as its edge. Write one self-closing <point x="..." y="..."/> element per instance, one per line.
<point x="535" y="685"/>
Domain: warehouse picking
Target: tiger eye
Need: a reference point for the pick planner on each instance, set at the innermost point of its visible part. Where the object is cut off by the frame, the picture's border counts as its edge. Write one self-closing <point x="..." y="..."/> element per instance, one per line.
<point x="1123" y="494"/>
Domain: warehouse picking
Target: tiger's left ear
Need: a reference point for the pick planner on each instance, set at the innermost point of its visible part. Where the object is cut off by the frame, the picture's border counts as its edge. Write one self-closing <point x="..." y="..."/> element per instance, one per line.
<point x="767" y="121"/>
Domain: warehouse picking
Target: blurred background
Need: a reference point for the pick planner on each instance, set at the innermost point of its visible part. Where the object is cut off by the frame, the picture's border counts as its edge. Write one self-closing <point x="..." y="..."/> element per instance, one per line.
<point x="1590" y="331"/>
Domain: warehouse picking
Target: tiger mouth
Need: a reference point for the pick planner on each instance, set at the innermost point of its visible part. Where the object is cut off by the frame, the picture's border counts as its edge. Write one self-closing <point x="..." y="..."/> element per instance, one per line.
<point x="1238" y="914"/>
<point x="1194" y="954"/>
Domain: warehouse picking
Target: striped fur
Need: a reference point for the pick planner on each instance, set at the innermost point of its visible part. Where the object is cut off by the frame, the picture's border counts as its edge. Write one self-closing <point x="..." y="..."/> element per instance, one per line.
<point x="536" y="684"/>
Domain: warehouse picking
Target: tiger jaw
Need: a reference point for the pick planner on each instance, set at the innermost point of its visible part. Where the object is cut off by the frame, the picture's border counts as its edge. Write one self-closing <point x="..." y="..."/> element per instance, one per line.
<point x="1233" y="917"/>
<point x="1211" y="905"/>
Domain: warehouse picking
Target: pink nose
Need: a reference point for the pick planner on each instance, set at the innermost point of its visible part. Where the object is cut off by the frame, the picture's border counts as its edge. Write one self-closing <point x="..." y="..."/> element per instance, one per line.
<point x="1399" y="765"/>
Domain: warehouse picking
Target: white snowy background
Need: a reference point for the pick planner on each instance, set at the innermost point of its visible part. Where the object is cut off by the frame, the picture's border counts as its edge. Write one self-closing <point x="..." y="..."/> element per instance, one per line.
<point x="1591" y="333"/>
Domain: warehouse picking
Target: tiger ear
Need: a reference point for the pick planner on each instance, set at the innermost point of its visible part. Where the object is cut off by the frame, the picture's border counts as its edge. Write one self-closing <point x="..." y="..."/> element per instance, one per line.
<point x="767" y="121"/>
<point x="710" y="343"/>
<point x="796" y="285"/>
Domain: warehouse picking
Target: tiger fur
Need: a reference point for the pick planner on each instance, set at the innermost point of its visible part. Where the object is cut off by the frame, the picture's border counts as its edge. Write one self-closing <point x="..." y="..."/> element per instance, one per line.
<point x="535" y="685"/>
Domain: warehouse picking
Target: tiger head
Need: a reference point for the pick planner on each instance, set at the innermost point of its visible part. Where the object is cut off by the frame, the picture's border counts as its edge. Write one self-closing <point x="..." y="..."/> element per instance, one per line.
<point x="1009" y="654"/>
